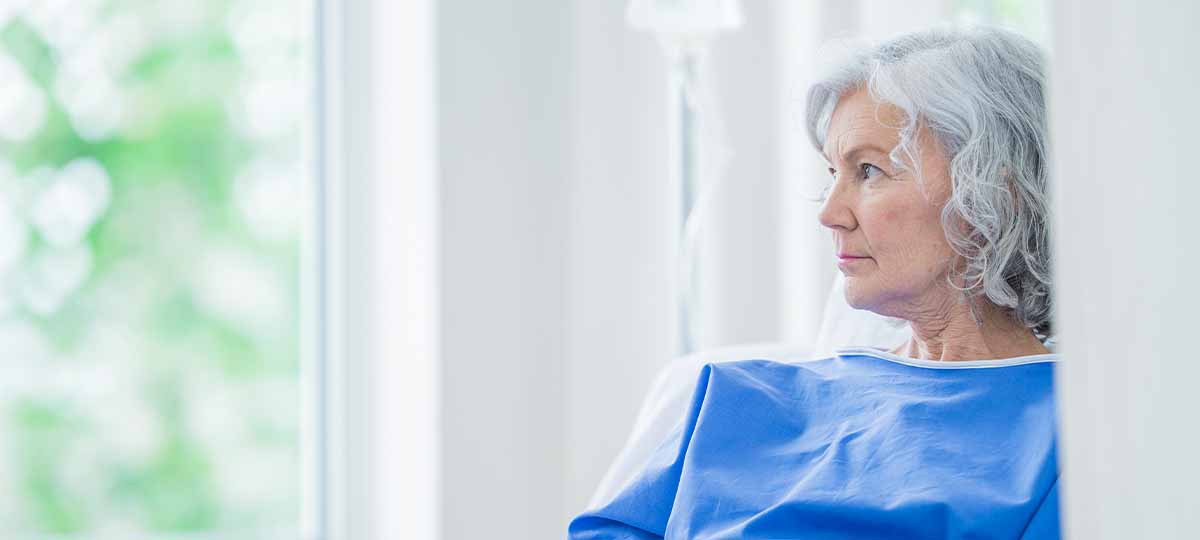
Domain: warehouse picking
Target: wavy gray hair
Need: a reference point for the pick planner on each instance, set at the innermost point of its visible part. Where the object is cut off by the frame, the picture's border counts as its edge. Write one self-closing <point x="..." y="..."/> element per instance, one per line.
<point x="980" y="91"/>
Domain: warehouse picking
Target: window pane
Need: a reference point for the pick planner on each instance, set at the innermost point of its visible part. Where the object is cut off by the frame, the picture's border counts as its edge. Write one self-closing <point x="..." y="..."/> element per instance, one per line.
<point x="150" y="175"/>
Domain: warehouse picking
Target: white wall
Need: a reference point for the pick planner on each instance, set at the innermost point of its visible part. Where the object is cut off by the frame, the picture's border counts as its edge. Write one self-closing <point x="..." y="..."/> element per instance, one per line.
<point x="556" y="255"/>
<point x="739" y="269"/>
<point x="1124" y="83"/>
<point x="504" y="79"/>
<point x="620" y="265"/>
<point x="878" y="19"/>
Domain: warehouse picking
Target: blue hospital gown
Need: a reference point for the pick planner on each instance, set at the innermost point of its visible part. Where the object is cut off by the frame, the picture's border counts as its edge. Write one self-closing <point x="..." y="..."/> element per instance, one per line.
<point x="863" y="445"/>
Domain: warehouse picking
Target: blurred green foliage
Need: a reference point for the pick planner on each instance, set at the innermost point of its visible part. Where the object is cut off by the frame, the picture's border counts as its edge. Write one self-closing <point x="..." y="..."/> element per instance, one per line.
<point x="146" y="405"/>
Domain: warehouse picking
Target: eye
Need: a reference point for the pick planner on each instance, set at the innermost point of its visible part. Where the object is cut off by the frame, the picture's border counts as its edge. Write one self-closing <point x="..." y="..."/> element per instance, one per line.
<point x="832" y="172"/>
<point x="870" y="171"/>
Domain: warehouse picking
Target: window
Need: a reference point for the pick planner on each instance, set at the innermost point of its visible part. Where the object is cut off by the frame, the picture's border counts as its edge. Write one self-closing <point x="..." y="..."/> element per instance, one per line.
<point x="151" y="165"/>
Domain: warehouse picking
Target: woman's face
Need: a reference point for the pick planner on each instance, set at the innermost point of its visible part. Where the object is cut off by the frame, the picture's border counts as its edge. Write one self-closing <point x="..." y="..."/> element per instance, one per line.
<point x="886" y="225"/>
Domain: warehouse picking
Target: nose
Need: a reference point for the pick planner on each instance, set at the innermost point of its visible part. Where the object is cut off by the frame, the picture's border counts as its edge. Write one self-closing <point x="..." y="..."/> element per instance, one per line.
<point x="836" y="212"/>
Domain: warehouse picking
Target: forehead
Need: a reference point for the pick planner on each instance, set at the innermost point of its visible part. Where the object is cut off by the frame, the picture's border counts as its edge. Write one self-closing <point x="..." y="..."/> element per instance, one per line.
<point x="859" y="120"/>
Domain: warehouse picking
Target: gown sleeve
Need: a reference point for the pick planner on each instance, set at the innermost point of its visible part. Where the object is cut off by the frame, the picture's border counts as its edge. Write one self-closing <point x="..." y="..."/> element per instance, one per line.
<point x="1045" y="524"/>
<point x="640" y="511"/>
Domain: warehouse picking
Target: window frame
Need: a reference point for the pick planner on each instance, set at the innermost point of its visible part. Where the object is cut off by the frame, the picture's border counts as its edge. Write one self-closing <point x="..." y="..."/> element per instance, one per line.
<point x="372" y="320"/>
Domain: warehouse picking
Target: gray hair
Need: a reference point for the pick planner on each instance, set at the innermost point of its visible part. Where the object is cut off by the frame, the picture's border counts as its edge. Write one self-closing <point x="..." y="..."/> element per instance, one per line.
<point x="980" y="91"/>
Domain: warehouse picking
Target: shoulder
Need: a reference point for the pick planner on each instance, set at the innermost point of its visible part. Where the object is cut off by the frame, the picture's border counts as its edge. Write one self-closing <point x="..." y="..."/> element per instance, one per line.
<point x="740" y="362"/>
<point x="760" y="370"/>
<point x="739" y="380"/>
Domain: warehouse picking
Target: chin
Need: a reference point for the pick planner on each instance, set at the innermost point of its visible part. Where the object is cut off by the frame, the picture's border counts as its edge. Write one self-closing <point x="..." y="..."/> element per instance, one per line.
<point x="859" y="297"/>
<point x="855" y="298"/>
<point x="880" y="302"/>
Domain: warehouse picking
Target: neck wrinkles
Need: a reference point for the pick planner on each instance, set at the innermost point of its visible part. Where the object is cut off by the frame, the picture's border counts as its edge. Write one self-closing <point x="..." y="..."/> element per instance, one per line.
<point x="947" y="330"/>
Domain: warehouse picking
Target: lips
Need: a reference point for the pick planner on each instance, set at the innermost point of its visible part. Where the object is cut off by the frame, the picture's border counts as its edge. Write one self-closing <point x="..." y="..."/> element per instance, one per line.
<point x="849" y="263"/>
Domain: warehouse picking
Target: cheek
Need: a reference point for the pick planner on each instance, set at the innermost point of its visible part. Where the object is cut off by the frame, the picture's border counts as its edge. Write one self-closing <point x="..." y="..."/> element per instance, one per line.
<point x="907" y="240"/>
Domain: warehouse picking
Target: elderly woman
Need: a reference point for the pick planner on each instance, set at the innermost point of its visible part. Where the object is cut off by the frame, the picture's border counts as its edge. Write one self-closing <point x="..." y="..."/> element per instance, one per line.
<point x="936" y="145"/>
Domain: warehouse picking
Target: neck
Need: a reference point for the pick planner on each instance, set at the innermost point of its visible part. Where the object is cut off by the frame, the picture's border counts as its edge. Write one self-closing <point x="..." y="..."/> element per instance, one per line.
<point x="949" y="331"/>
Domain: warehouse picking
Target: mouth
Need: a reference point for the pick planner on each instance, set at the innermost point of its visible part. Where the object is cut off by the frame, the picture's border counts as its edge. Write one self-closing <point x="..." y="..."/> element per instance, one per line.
<point x="848" y="263"/>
